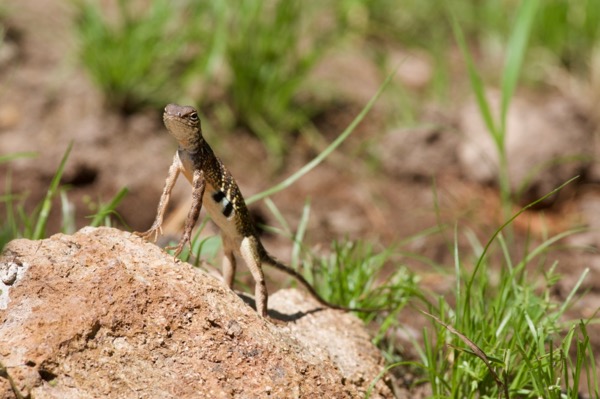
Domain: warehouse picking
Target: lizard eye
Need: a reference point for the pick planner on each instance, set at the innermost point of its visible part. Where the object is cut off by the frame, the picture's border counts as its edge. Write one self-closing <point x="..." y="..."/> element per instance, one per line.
<point x="194" y="117"/>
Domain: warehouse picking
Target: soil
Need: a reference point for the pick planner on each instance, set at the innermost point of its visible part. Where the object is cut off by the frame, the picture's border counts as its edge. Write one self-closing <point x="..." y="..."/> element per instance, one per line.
<point x="378" y="187"/>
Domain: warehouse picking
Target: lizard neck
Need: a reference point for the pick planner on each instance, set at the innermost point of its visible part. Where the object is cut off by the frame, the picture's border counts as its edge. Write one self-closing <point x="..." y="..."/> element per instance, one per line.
<point x="193" y="146"/>
<point x="200" y="156"/>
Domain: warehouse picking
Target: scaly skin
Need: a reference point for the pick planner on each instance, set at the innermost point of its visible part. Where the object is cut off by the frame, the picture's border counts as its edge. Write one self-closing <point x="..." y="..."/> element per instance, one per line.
<point x="214" y="187"/>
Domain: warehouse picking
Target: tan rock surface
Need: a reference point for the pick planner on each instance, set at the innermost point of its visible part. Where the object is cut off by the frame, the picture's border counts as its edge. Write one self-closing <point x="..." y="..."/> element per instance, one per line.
<point x="103" y="314"/>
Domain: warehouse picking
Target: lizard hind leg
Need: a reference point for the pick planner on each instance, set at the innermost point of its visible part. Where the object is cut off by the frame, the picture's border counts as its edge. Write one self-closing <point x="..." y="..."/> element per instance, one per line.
<point x="229" y="263"/>
<point x="250" y="254"/>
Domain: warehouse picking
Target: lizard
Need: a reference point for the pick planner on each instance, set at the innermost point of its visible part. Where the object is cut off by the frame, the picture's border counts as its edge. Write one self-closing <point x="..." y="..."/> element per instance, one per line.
<point x="214" y="187"/>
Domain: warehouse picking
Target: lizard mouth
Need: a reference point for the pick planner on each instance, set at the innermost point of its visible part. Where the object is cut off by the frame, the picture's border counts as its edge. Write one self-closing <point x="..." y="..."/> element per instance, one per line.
<point x="177" y="122"/>
<point x="173" y="122"/>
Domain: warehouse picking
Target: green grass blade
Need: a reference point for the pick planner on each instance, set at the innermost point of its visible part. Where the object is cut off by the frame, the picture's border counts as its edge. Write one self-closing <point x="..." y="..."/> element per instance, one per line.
<point x="17" y="155"/>
<point x="475" y="80"/>
<point x="568" y="301"/>
<point x="457" y="267"/>
<point x="8" y="228"/>
<point x="285" y="227"/>
<point x="546" y="244"/>
<point x="325" y="153"/>
<point x="479" y="263"/>
<point x="299" y="237"/>
<point x="40" y="227"/>
<point x="109" y="208"/>
<point x="517" y="47"/>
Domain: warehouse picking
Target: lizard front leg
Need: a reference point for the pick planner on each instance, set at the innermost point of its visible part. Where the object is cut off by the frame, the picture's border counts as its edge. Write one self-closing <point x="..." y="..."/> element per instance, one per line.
<point x="198" y="184"/>
<point x="156" y="228"/>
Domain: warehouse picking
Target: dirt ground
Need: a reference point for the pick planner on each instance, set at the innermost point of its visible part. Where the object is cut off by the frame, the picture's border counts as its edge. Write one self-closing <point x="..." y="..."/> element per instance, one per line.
<point x="378" y="187"/>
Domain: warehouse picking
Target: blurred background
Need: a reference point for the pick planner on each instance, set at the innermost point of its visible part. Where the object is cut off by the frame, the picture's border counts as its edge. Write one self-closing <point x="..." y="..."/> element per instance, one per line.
<point x="491" y="105"/>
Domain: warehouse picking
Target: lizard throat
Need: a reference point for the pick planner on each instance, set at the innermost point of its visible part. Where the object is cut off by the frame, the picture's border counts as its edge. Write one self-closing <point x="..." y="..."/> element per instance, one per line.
<point x="189" y="138"/>
<point x="191" y="146"/>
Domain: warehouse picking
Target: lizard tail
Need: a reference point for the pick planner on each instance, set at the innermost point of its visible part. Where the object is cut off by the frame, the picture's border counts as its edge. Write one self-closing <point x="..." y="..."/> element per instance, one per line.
<point x="268" y="259"/>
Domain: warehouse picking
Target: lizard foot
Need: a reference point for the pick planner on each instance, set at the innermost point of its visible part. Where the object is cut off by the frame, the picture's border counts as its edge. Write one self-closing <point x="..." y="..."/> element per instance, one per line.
<point x="147" y="234"/>
<point x="179" y="247"/>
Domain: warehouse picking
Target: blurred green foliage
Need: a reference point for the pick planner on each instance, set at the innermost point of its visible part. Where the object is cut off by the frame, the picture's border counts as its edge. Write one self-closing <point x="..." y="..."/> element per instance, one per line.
<point x="270" y="52"/>
<point x="252" y="58"/>
<point x="566" y="32"/>
<point x="142" y="57"/>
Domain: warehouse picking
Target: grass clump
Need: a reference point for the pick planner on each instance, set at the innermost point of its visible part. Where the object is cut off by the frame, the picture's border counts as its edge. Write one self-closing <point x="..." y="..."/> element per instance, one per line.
<point x="143" y="55"/>
<point x="505" y="338"/>
<point x="260" y="52"/>
<point x="351" y="275"/>
<point x="19" y="223"/>
<point x="500" y="333"/>
<point x="270" y="51"/>
<point x="263" y="49"/>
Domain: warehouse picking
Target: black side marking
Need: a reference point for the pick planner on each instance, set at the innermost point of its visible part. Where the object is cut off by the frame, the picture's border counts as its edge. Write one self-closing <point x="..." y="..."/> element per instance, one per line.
<point x="228" y="209"/>
<point x="218" y="196"/>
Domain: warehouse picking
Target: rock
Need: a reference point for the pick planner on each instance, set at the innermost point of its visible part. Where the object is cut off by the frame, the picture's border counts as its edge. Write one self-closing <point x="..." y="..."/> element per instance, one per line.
<point x="414" y="69"/>
<point x="594" y="172"/>
<point x="546" y="145"/>
<point x="354" y="76"/>
<point x="420" y="153"/>
<point x="342" y="339"/>
<point x="588" y="209"/>
<point x="103" y="314"/>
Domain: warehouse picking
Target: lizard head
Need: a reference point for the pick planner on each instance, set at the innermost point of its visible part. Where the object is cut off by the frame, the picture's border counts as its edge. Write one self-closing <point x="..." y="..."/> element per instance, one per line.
<point x="184" y="124"/>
